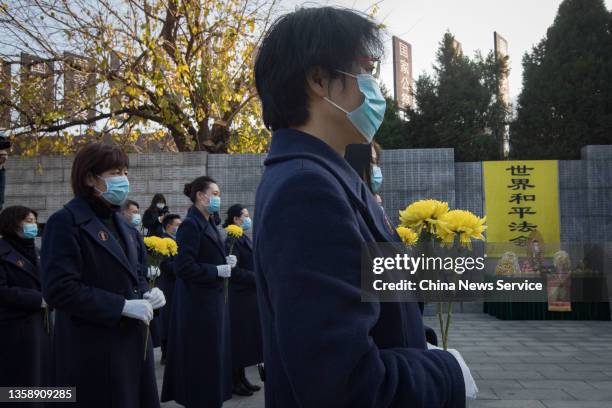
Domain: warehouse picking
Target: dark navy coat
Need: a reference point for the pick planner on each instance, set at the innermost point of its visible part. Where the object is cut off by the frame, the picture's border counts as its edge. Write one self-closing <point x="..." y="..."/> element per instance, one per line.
<point x="244" y="313"/>
<point x="25" y="343"/>
<point x="166" y="285"/>
<point x="87" y="277"/>
<point x="323" y="346"/>
<point x="198" y="360"/>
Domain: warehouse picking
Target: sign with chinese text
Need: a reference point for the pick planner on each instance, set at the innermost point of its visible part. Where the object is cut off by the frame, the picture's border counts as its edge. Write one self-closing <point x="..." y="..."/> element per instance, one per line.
<point x="501" y="52"/>
<point x="402" y="73"/>
<point x="521" y="197"/>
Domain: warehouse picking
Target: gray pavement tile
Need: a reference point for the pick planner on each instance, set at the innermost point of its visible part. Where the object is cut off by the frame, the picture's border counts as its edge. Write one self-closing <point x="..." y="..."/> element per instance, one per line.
<point x="577" y="404"/>
<point x="533" y="394"/>
<point x="602" y="385"/>
<point x="592" y="395"/>
<point x="510" y="375"/>
<point x="506" y="404"/>
<point x="558" y="384"/>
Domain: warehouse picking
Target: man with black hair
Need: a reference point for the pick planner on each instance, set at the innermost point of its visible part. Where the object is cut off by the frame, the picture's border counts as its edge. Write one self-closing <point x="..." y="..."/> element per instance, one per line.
<point x="131" y="212"/>
<point x="316" y="76"/>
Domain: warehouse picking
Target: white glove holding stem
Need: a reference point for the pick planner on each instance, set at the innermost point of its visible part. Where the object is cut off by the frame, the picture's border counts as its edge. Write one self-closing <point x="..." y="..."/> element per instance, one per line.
<point x="471" y="390"/>
<point x="139" y="309"/>
<point x="156" y="297"/>
<point x="224" y="271"/>
<point x="231" y="260"/>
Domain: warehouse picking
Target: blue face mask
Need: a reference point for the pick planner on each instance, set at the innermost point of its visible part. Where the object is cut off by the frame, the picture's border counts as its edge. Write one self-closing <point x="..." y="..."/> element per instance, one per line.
<point x="246" y="224"/>
<point x="368" y="117"/>
<point x="215" y="204"/>
<point x="136" y="220"/>
<point x="30" y="230"/>
<point x="117" y="189"/>
<point x="377" y="179"/>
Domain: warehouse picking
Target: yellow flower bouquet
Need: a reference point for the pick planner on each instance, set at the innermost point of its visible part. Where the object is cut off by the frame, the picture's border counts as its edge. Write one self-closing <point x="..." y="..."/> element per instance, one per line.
<point x="158" y="249"/>
<point x="431" y="221"/>
<point x="236" y="232"/>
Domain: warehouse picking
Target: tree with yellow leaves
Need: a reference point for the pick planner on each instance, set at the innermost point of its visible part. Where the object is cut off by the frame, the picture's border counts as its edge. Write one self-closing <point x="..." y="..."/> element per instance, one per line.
<point x="128" y="68"/>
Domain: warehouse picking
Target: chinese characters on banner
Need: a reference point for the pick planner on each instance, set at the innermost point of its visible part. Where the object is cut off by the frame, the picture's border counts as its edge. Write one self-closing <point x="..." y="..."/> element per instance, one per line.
<point x="402" y="73"/>
<point x="520" y="197"/>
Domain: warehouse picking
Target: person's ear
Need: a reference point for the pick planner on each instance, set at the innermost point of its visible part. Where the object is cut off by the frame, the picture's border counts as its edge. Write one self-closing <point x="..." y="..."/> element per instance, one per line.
<point x="90" y="180"/>
<point x="317" y="80"/>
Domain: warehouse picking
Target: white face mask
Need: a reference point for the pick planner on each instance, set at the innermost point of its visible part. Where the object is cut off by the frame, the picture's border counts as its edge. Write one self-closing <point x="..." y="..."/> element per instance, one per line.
<point x="161" y="206"/>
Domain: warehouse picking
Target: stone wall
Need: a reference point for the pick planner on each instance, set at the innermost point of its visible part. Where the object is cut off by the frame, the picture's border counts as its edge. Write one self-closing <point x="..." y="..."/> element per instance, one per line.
<point x="585" y="195"/>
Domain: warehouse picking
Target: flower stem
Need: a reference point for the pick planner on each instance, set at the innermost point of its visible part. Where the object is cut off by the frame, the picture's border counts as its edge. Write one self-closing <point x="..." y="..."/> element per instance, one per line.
<point x="439" y="304"/>
<point x="146" y="345"/>
<point x="448" y="320"/>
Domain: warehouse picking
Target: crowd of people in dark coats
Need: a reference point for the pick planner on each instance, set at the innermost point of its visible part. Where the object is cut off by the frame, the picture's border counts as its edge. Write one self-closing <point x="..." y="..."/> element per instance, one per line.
<point x="85" y="313"/>
<point x="81" y="311"/>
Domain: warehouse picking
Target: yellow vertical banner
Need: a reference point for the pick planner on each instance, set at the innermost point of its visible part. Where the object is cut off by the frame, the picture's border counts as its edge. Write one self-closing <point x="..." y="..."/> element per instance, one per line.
<point x="521" y="197"/>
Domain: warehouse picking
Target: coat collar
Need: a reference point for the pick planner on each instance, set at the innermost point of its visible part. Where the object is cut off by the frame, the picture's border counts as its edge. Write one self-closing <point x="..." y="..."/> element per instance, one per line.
<point x="210" y="230"/>
<point x="246" y="241"/>
<point x="86" y="219"/>
<point x="290" y="144"/>
<point x="11" y="255"/>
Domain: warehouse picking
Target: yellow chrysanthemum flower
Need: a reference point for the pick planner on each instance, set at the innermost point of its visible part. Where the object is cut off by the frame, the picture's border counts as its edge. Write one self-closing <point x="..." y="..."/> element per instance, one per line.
<point x="461" y="222"/>
<point x="172" y="246"/>
<point x="408" y="236"/>
<point x="161" y="246"/>
<point x="234" y="231"/>
<point x="423" y="214"/>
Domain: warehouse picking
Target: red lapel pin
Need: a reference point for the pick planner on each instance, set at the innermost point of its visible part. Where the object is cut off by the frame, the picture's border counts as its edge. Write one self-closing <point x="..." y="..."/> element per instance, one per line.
<point x="103" y="235"/>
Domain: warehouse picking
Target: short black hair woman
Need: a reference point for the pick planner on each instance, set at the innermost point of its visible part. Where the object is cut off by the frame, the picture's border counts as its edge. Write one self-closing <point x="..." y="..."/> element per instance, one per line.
<point x="316" y="75"/>
<point x="198" y="360"/>
<point x="244" y="313"/>
<point x="154" y="215"/>
<point x="94" y="275"/>
<point x="25" y="342"/>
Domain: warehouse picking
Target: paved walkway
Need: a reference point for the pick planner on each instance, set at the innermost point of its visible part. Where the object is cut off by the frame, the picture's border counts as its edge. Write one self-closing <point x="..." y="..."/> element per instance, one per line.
<point x="522" y="364"/>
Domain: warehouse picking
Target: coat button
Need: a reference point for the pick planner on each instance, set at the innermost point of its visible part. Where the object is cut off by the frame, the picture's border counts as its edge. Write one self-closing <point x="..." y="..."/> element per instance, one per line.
<point x="135" y="291"/>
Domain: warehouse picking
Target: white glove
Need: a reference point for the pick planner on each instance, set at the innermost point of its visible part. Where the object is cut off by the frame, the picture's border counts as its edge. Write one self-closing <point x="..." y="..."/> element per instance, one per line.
<point x="139" y="309"/>
<point x="471" y="390"/>
<point x="153" y="272"/>
<point x="224" y="271"/>
<point x="43" y="304"/>
<point x="231" y="260"/>
<point x="155" y="297"/>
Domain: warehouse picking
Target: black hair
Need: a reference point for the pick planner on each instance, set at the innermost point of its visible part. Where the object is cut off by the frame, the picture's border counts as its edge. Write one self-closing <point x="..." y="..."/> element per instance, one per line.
<point x="199" y="184"/>
<point x="327" y="37"/>
<point x="169" y="218"/>
<point x="156" y="199"/>
<point x="127" y="203"/>
<point x="95" y="159"/>
<point x="11" y="217"/>
<point x="232" y="212"/>
<point x="359" y="156"/>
